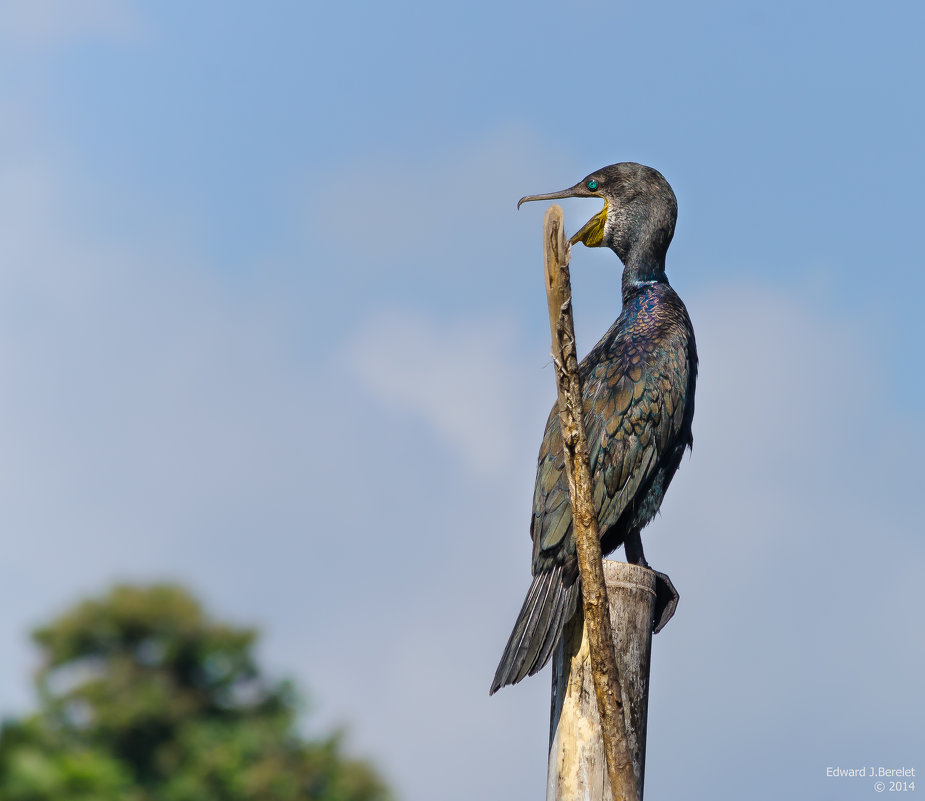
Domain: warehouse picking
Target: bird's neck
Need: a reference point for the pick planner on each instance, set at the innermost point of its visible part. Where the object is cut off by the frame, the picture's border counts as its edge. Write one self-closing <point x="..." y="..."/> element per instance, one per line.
<point x="642" y="270"/>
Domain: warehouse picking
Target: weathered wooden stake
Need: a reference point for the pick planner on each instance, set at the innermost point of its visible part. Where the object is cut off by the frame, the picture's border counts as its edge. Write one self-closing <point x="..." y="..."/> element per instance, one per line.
<point x="577" y="767"/>
<point x="610" y="704"/>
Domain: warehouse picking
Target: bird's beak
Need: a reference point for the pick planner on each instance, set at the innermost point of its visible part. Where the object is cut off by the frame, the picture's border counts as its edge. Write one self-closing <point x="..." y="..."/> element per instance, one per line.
<point x="591" y="233"/>
<point x="579" y="190"/>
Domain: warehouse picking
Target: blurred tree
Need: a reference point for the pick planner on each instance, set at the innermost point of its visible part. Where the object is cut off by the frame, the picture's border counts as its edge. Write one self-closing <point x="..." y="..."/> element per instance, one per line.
<point x="144" y="698"/>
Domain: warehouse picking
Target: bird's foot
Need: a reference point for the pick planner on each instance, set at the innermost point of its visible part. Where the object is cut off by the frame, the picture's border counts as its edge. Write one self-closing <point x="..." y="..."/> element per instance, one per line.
<point x="666" y="601"/>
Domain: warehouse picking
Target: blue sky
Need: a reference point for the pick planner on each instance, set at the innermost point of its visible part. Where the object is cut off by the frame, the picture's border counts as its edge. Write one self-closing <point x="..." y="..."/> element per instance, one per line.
<point x="265" y="297"/>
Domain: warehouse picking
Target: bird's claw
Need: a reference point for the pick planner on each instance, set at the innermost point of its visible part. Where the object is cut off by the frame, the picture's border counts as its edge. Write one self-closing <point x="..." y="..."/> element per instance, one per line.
<point x="666" y="601"/>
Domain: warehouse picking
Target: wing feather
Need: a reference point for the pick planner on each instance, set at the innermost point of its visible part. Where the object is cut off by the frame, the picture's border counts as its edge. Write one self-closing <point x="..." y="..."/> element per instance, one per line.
<point x="634" y="406"/>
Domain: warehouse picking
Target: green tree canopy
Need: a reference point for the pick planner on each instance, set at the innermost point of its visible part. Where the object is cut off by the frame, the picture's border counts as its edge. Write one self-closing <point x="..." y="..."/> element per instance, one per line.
<point x="145" y="698"/>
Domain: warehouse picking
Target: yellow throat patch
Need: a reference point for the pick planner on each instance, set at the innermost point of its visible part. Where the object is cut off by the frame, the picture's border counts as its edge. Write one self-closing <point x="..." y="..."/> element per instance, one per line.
<point x="592" y="232"/>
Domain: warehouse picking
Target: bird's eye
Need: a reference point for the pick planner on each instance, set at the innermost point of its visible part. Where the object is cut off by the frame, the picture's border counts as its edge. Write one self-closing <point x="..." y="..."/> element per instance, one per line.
<point x="592" y="184"/>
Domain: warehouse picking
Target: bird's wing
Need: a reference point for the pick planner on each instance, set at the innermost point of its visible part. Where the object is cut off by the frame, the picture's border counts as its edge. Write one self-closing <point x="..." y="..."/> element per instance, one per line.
<point x="633" y="414"/>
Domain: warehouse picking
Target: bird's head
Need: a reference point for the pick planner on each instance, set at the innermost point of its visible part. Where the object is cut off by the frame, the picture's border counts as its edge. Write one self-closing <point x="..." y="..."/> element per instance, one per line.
<point x="639" y="214"/>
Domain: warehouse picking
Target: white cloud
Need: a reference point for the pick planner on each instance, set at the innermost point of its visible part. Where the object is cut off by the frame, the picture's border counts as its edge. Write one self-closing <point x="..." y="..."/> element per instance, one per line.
<point x="402" y="203"/>
<point x="460" y="379"/>
<point x="451" y="214"/>
<point x="56" y="22"/>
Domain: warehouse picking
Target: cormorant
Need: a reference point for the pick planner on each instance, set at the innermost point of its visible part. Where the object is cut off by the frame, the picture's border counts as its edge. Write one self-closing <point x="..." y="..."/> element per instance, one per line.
<point x="638" y="396"/>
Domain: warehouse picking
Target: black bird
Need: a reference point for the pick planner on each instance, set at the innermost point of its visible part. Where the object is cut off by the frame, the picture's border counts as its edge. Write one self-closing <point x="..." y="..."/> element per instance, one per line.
<point x="638" y="406"/>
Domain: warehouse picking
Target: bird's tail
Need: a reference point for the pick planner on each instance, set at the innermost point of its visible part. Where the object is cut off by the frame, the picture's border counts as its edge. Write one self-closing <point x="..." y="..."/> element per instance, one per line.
<point x="549" y="604"/>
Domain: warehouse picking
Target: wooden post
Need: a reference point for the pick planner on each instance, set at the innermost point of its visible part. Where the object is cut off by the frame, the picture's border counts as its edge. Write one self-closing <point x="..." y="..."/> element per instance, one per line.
<point x="606" y="678"/>
<point x="577" y="767"/>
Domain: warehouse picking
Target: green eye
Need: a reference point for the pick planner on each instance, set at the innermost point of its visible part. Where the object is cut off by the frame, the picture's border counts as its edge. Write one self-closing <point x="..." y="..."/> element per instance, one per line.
<point x="592" y="184"/>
